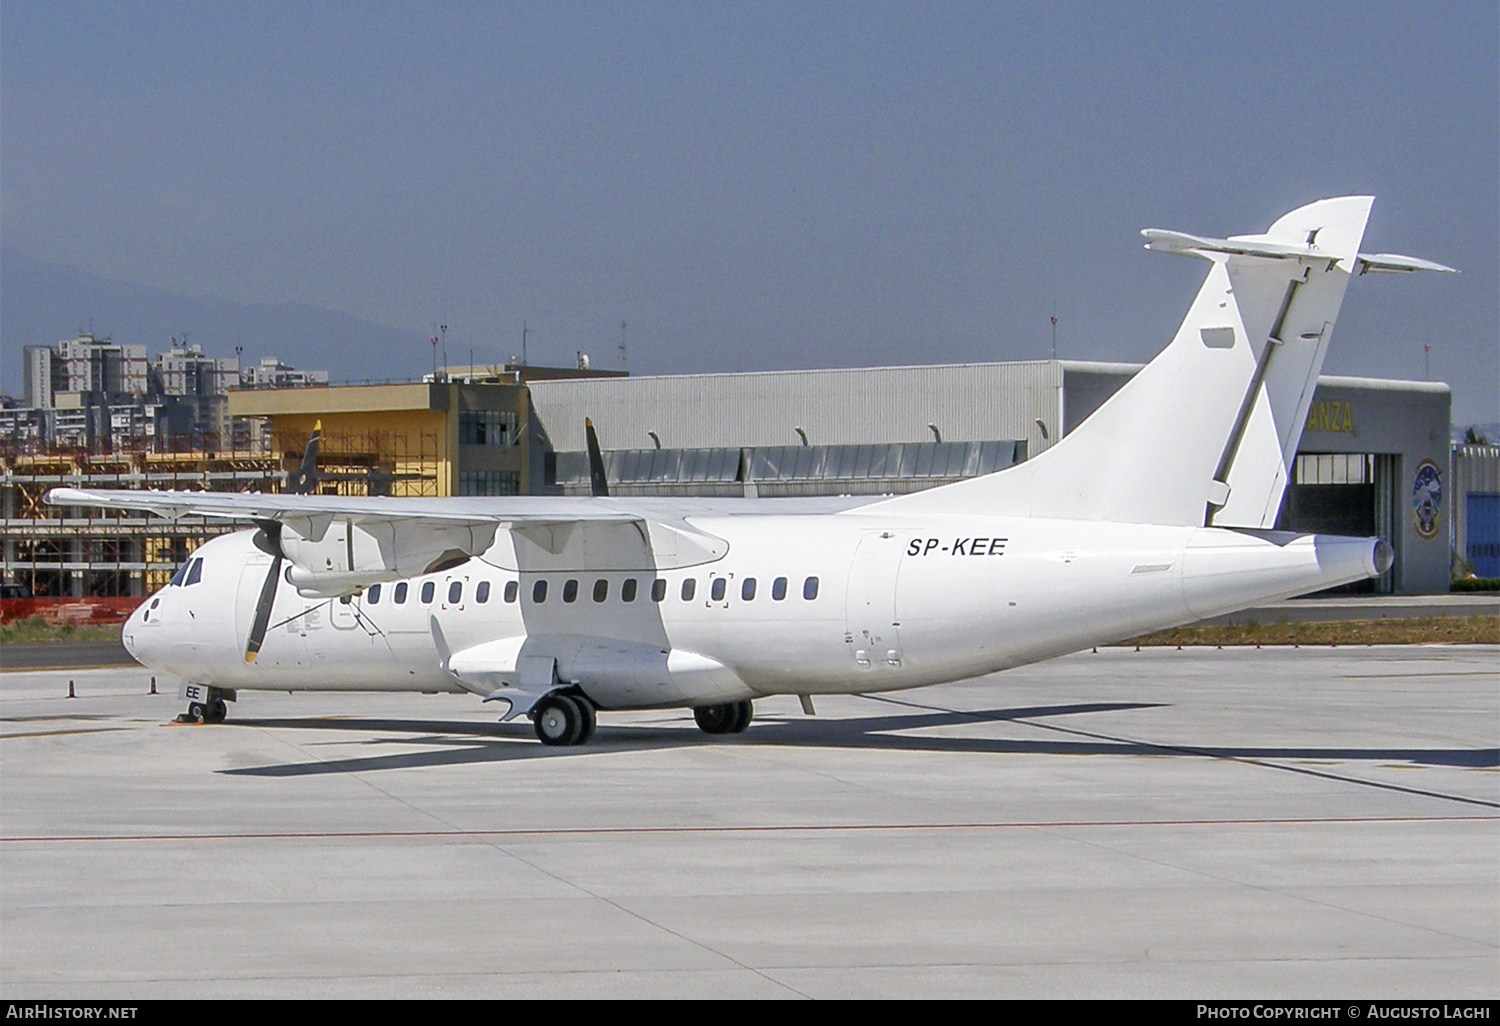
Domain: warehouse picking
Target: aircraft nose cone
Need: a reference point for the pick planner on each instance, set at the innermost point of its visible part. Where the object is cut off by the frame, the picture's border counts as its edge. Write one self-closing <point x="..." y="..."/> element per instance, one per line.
<point x="135" y="633"/>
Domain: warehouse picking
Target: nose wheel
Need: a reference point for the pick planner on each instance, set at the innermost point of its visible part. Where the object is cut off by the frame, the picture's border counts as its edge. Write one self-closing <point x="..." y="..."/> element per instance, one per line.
<point x="205" y="705"/>
<point x="726" y="718"/>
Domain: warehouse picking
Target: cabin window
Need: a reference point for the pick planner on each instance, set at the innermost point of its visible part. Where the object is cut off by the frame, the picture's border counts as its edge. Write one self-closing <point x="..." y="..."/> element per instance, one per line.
<point x="659" y="589"/>
<point x="455" y="593"/>
<point x="778" y="589"/>
<point x="427" y="591"/>
<point x="539" y="592"/>
<point x="717" y="590"/>
<point x="570" y="590"/>
<point x="195" y="572"/>
<point x="511" y="587"/>
<point x="689" y="589"/>
<point x="373" y="595"/>
<point x="810" y="588"/>
<point x="401" y="593"/>
<point x="747" y="589"/>
<point x="601" y="590"/>
<point x="627" y="590"/>
<point x="482" y="593"/>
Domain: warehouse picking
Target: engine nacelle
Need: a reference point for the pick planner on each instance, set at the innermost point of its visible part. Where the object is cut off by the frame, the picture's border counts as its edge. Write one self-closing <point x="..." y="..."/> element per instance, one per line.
<point x="332" y="557"/>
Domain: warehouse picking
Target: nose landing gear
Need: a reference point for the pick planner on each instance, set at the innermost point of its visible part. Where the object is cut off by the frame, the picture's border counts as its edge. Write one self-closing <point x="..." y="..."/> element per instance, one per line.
<point x="205" y="704"/>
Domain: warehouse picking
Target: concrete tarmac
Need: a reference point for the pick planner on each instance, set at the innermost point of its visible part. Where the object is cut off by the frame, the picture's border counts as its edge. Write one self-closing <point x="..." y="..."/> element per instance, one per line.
<point x="1206" y="823"/>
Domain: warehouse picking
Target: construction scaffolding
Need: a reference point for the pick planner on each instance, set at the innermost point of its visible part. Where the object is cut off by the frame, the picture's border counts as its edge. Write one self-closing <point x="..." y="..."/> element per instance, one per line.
<point x="86" y="552"/>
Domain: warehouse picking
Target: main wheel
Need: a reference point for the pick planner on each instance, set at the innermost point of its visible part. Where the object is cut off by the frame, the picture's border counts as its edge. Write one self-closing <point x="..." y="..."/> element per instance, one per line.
<point x="590" y="721"/>
<point x="743" y="713"/>
<point x="559" y="721"/>
<point x="717" y="719"/>
<point x="215" y="711"/>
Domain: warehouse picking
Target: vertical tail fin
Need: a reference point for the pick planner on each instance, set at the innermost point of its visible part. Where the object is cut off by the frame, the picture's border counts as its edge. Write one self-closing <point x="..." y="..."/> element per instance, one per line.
<point x="1205" y="432"/>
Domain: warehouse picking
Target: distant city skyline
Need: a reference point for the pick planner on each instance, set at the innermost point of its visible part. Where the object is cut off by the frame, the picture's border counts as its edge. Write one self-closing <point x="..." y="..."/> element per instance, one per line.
<point x="757" y="186"/>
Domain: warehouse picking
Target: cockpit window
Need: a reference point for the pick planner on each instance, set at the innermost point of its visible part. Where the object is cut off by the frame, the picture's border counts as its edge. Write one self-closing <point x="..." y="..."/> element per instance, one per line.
<point x="176" y="580"/>
<point x="195" y="572"/>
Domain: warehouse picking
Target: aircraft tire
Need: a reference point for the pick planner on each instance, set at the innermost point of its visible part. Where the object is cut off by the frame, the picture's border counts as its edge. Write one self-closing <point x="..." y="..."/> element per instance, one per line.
<point x="559" y="721"/>
<point x="197" y="713"/>
<point x="744" y="712"/>
<point x="717" y="719"/>
<point x="590" y="720"/>
<point x="215" y="711"/>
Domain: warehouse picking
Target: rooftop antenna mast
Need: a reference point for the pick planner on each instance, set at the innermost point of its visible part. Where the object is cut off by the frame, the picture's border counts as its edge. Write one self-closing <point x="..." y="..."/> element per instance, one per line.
<point x="622" y="346"/>
<point x="523" y="343"/>
<point x="1054" y="332"/>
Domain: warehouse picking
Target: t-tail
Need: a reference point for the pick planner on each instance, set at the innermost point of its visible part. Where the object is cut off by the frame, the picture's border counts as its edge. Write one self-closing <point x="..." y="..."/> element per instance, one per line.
<point x="1205" y="433"/>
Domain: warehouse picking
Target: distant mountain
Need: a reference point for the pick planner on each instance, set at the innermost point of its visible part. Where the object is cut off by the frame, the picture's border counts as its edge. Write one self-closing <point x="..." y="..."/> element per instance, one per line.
<point x="42" y="303"/>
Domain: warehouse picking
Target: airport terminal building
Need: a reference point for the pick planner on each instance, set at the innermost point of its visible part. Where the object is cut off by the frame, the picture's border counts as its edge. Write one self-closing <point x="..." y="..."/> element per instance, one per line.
<point x="1373" y="460"/>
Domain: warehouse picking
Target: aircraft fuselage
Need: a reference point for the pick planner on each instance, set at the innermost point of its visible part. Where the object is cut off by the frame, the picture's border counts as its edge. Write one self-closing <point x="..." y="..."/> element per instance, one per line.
<point x="796" y="605"/>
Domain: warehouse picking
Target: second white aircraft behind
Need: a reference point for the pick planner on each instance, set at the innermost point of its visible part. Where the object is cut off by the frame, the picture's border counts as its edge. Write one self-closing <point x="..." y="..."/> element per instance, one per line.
<point x="1155" y="512"/>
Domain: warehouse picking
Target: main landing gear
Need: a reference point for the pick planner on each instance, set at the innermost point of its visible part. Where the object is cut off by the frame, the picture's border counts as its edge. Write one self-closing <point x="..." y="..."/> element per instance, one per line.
<point x="564" y="719"/>
<point x="568" y="719"/>
<point x="728" y="718"/>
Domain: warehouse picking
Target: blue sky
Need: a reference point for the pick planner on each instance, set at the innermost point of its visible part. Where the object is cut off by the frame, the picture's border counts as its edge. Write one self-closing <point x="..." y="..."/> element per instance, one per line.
<point x="758" y="185"/>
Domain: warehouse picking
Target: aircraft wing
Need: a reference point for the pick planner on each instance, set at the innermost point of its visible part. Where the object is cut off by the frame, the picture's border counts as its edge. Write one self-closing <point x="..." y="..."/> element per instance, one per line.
<point x="256" y="506"/>
<point x="338" y="544"/>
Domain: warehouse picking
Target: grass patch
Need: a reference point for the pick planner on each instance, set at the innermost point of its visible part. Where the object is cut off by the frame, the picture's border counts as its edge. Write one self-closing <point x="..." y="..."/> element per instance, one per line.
<point x="1449" y="630"/>
<point x="34" y="629"/>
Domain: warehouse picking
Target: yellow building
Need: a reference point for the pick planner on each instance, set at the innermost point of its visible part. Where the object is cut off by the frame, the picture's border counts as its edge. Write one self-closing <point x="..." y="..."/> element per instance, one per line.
<point x="424" y="439"/>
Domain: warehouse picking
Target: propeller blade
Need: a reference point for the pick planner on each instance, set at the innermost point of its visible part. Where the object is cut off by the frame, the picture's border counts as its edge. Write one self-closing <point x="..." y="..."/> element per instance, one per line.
<point x="306" y="477"/>
<point x="267" y="539"/>
<point x="598" y="483"/>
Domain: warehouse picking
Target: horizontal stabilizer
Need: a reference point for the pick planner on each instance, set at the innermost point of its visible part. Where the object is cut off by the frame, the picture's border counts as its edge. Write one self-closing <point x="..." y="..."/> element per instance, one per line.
<point x="1161" y="241"/>
<point x="1367" y="262"/>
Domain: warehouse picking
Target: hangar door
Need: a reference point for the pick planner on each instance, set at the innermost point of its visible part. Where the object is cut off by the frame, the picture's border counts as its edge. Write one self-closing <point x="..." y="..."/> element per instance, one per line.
<point x="1344" y="493"/>
<point x="1482" y="533"/>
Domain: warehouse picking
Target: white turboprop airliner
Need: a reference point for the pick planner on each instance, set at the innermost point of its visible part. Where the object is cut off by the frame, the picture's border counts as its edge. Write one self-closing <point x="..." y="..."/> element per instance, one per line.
<point x="1156" y="511"/>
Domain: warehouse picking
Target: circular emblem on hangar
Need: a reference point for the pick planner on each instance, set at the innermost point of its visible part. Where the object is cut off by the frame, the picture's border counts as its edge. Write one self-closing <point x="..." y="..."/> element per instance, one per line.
<point x="1427" y="499"/>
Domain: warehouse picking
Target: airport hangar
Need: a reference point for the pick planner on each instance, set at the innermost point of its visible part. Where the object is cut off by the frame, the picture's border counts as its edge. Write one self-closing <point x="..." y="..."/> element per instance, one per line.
<point x="1373" y="459"/>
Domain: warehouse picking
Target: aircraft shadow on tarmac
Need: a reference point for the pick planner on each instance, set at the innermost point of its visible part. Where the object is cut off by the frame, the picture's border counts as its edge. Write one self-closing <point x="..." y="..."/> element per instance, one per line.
<point x="448" y="743"/>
